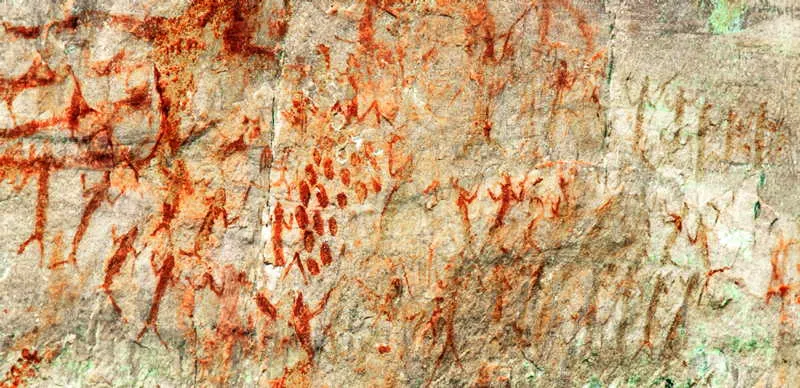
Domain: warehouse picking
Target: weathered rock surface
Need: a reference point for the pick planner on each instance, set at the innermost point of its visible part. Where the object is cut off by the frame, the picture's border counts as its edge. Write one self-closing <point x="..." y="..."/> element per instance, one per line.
<point x="399" y="193"/>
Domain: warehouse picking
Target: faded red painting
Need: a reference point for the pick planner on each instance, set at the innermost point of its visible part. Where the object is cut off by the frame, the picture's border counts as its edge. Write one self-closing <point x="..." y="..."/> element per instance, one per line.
<point x="389" y="193"/>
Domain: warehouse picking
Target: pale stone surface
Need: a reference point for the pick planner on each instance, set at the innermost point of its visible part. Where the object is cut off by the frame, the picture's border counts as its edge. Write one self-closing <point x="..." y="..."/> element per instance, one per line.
<point x="398" y="193"/>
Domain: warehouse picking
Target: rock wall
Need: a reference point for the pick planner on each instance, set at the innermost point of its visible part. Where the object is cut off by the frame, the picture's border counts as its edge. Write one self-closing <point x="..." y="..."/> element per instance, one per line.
<point x="399" y="193"/>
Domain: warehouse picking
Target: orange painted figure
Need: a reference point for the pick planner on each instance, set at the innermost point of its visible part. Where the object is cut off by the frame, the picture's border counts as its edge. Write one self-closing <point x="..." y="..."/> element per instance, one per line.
<point x="117" y="260"/>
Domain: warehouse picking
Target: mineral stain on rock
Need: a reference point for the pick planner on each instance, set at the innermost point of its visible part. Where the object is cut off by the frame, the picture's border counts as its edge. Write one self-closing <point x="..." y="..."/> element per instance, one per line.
<point x="398" y="193"/>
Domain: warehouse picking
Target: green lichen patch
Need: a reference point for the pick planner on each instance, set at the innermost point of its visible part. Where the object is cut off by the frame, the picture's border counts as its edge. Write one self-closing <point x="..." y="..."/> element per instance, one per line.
<point x="726" y="17"/>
